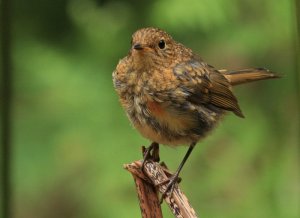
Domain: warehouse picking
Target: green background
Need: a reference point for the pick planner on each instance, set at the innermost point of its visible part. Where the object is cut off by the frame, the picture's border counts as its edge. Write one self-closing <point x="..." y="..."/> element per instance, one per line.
<point x="70" y="137"/>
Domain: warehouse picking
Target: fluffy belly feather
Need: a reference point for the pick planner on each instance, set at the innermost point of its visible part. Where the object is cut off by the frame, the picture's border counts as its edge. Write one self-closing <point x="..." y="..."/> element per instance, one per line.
<point x="169" y="126"/>
<point x="159" y="137"/>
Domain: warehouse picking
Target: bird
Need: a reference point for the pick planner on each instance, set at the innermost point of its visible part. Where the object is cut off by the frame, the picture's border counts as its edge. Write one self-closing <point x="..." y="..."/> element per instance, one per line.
<point x="171" y="95"/>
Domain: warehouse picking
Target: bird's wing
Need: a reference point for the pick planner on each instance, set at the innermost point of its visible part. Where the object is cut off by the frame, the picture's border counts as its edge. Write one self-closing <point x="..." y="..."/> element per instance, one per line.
<point x="205" y="85"/>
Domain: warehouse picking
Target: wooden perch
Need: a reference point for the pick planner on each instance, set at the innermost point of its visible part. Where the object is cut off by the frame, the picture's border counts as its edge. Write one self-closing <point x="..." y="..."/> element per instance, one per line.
<point x="153" y="181"/>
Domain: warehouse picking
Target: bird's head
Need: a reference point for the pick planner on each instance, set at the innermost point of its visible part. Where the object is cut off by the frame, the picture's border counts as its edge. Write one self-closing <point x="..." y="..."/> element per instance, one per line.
<point x="152" y="47"/>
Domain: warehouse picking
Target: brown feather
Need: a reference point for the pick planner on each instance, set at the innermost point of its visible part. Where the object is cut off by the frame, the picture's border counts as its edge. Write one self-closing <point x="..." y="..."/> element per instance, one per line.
<point x="216" y="90"/>
<point x="247" y="75"/>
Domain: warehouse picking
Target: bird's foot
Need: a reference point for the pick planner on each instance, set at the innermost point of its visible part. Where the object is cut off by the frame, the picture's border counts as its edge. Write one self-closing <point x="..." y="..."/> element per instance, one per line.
<point x="151" y="153"/>
<point x="173" y="181"/>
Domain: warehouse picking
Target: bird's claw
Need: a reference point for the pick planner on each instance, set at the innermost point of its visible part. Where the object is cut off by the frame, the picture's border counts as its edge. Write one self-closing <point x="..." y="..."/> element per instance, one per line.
<point x="152" y="152"/>
<point x="170" y="187"/>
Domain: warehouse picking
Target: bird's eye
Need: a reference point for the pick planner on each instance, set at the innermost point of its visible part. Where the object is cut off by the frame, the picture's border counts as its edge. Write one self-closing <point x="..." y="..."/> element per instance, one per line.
<point x="161" y="44"/>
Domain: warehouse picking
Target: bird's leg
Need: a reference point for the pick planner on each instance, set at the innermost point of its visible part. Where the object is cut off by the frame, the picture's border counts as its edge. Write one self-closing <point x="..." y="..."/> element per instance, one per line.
<point x="174" y="179"/>
<point x="155" y="152"/>
<point x="154" y="155"/>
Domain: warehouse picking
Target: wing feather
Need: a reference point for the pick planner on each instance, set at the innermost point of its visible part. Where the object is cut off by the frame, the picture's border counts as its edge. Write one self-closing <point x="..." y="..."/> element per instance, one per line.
<point x="206" y="86"/>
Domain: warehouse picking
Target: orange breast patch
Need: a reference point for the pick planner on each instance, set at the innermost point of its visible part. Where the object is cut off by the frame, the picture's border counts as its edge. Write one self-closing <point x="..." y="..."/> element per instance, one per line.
<point x="175" y="122"/>
<point x="155" y="108"/>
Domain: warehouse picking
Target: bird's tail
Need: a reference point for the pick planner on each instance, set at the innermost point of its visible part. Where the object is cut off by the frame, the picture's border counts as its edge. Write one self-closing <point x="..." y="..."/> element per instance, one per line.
<point x="236" y="77"/>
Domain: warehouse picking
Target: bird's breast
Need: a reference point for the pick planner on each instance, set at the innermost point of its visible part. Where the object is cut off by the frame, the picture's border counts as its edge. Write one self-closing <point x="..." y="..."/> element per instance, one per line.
<point x="156" y="109"/>
<point x="161" y="123"/>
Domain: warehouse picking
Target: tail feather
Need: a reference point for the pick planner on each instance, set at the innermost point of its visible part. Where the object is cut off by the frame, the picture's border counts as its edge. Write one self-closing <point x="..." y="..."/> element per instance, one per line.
<point x="236" y="77"/>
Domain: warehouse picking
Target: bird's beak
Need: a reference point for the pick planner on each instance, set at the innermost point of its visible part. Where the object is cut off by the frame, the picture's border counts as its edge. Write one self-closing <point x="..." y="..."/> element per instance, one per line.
<point x="137" y="46"/>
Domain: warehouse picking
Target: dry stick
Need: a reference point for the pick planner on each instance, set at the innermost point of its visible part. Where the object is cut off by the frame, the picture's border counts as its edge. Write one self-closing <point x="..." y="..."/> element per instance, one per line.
<point x="156" y="179"/>
<point x="147" y="193"/>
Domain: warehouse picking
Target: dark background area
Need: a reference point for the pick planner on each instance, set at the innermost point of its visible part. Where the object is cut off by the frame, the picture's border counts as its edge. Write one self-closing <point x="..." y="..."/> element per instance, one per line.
<point x="70" y="137"/>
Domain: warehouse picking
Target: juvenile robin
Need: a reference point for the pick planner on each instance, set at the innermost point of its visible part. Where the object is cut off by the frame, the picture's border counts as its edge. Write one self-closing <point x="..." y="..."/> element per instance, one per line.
<point x="171" y="96"/>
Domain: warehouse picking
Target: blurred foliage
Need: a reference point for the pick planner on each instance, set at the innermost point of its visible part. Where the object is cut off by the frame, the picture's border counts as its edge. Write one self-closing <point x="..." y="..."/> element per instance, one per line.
<point x="71" y="137"/>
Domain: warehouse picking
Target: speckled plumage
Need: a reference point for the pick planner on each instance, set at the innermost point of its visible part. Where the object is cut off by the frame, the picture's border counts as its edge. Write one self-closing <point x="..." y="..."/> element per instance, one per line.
<point x="170" y="94"/>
